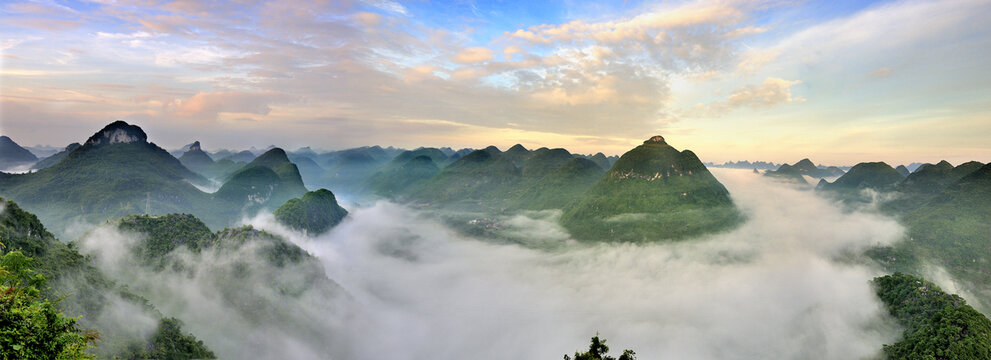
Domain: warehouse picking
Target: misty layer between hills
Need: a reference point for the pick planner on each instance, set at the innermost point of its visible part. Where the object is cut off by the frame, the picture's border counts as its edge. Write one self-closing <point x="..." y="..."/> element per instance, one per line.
<point x="786" y="284"/>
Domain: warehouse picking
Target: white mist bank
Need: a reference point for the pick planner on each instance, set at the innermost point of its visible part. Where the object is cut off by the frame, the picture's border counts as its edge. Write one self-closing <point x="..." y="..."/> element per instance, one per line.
<point x="776" y="287"/>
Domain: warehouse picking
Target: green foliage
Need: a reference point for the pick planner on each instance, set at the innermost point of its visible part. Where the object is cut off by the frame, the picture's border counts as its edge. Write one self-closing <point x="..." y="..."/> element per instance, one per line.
<point x="316" y="212"/>
<point x="954" y="228"/>
<point x="84" y="290"/>
<point x="170" y="343"/>
<point x="937" y="325"/>
<point x="394" y="178"/>
<point x="31" y="327"/>
<point x="652" y="192"/>
<point x="167" y="232"/>
<point x="562" y="186"/>
<point x="598" y="350"/>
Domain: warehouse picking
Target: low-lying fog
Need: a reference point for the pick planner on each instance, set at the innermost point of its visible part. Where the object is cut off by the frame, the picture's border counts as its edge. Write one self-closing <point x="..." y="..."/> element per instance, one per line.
<point x="785" y="285"/>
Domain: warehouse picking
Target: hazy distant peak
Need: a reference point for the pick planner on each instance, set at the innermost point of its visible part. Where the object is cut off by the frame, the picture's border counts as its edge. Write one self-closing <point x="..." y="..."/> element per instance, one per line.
<point x="118" y="132"/>
<point x="195" y="146"/>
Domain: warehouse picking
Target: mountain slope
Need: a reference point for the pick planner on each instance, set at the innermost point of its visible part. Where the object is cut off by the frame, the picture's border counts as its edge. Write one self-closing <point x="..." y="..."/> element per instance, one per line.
<point x="267" y="181"/>
<point x="87" y="292"/>
<point x="653" y="192"/>
<point x="562" y="186"/>
<point x="54" y="159"/>
<point x="393" y="179"/>
<point x="116" y="172"/>
<point x="13" y="155"/>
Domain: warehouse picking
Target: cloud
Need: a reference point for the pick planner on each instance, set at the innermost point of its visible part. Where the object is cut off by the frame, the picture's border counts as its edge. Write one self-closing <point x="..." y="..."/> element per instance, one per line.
<point x="780" y="286"/>
<point x="753" y="60"/>
<point x="769" y="94"/>
<point x="209" y="105"/>
<point x="473" y="55"/>
<point x="387" y="5"/>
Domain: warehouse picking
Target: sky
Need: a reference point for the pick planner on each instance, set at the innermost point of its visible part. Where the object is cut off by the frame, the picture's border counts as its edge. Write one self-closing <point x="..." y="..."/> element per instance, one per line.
<point x="840" y="82"/>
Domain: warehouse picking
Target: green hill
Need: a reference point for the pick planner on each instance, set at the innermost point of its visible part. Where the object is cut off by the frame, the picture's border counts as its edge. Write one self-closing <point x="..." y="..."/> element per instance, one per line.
<point x="787" y="173"/>
<point x="436" y="156"/>
<point x="393" y="179"/>
<point x="55" y="158"/>
<point x="937" y="325"/>
<point x="653" y="192"/>
<point x="927" y="181"/>
<point x="954" y="228"/>
<point x="314" y="213"/>
<point x="267" y="181"/>
<point x="562" y="186"/>
<point x="13" y="155"/>
<point x="867" y="175"/>
<point x="484" y="180"/>
<point x="115" y="173"/>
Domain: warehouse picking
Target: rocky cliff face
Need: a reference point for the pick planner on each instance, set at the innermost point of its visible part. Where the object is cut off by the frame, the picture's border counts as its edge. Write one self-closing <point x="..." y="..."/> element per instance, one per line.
<point x="118" y="132"/>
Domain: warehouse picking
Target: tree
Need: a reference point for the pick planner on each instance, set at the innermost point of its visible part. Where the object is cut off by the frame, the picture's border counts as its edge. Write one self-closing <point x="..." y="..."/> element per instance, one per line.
<point x="30" y="326"/>
<point x="598" y="350"/>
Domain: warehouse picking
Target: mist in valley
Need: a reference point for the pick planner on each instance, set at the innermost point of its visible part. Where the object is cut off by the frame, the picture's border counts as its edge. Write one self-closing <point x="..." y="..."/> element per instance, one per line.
<point x="788" y="283"/>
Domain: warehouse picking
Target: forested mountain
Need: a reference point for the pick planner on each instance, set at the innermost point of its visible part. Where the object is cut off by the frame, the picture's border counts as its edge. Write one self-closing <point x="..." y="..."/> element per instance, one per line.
<point x="654" y="192"/>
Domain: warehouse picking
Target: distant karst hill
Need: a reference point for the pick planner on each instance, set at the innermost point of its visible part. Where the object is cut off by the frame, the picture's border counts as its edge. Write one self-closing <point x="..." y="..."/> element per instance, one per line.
<point x="314" y="213"/>
<point x="653" y="192"/>
<point x="13" y="155"/>
<point x="114" y="173"/>
<point x="267" y="181"/>
<point x="496" y="181"/>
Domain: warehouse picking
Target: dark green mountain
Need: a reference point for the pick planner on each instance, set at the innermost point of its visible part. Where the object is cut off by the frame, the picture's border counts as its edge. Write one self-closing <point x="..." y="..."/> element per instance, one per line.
<point x="393" y="179"/>
<point x="937" y="325"/>
<point x="954" y="228"/>
<point x="267" y="181"/>
<point x="562" y="186"/>
<point x="867" y="175"/>
<point x="13" y="155"/>
<point x="653" y="192"/>
<point x="787" y="173"/>
<point x="483" y="179"/>
<point x="901" y="169"/>
<point x="601" y="160"/>
<point x="927" y="181"/>
<point x="543" y="161"/>
<point x="116" y="172"/>
<point x="54" y="159"/>
<point x="314" y="213"/>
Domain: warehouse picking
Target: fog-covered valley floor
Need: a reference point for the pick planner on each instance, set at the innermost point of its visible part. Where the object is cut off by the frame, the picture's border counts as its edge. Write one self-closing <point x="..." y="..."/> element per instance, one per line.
<point x="787" y="284"/>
